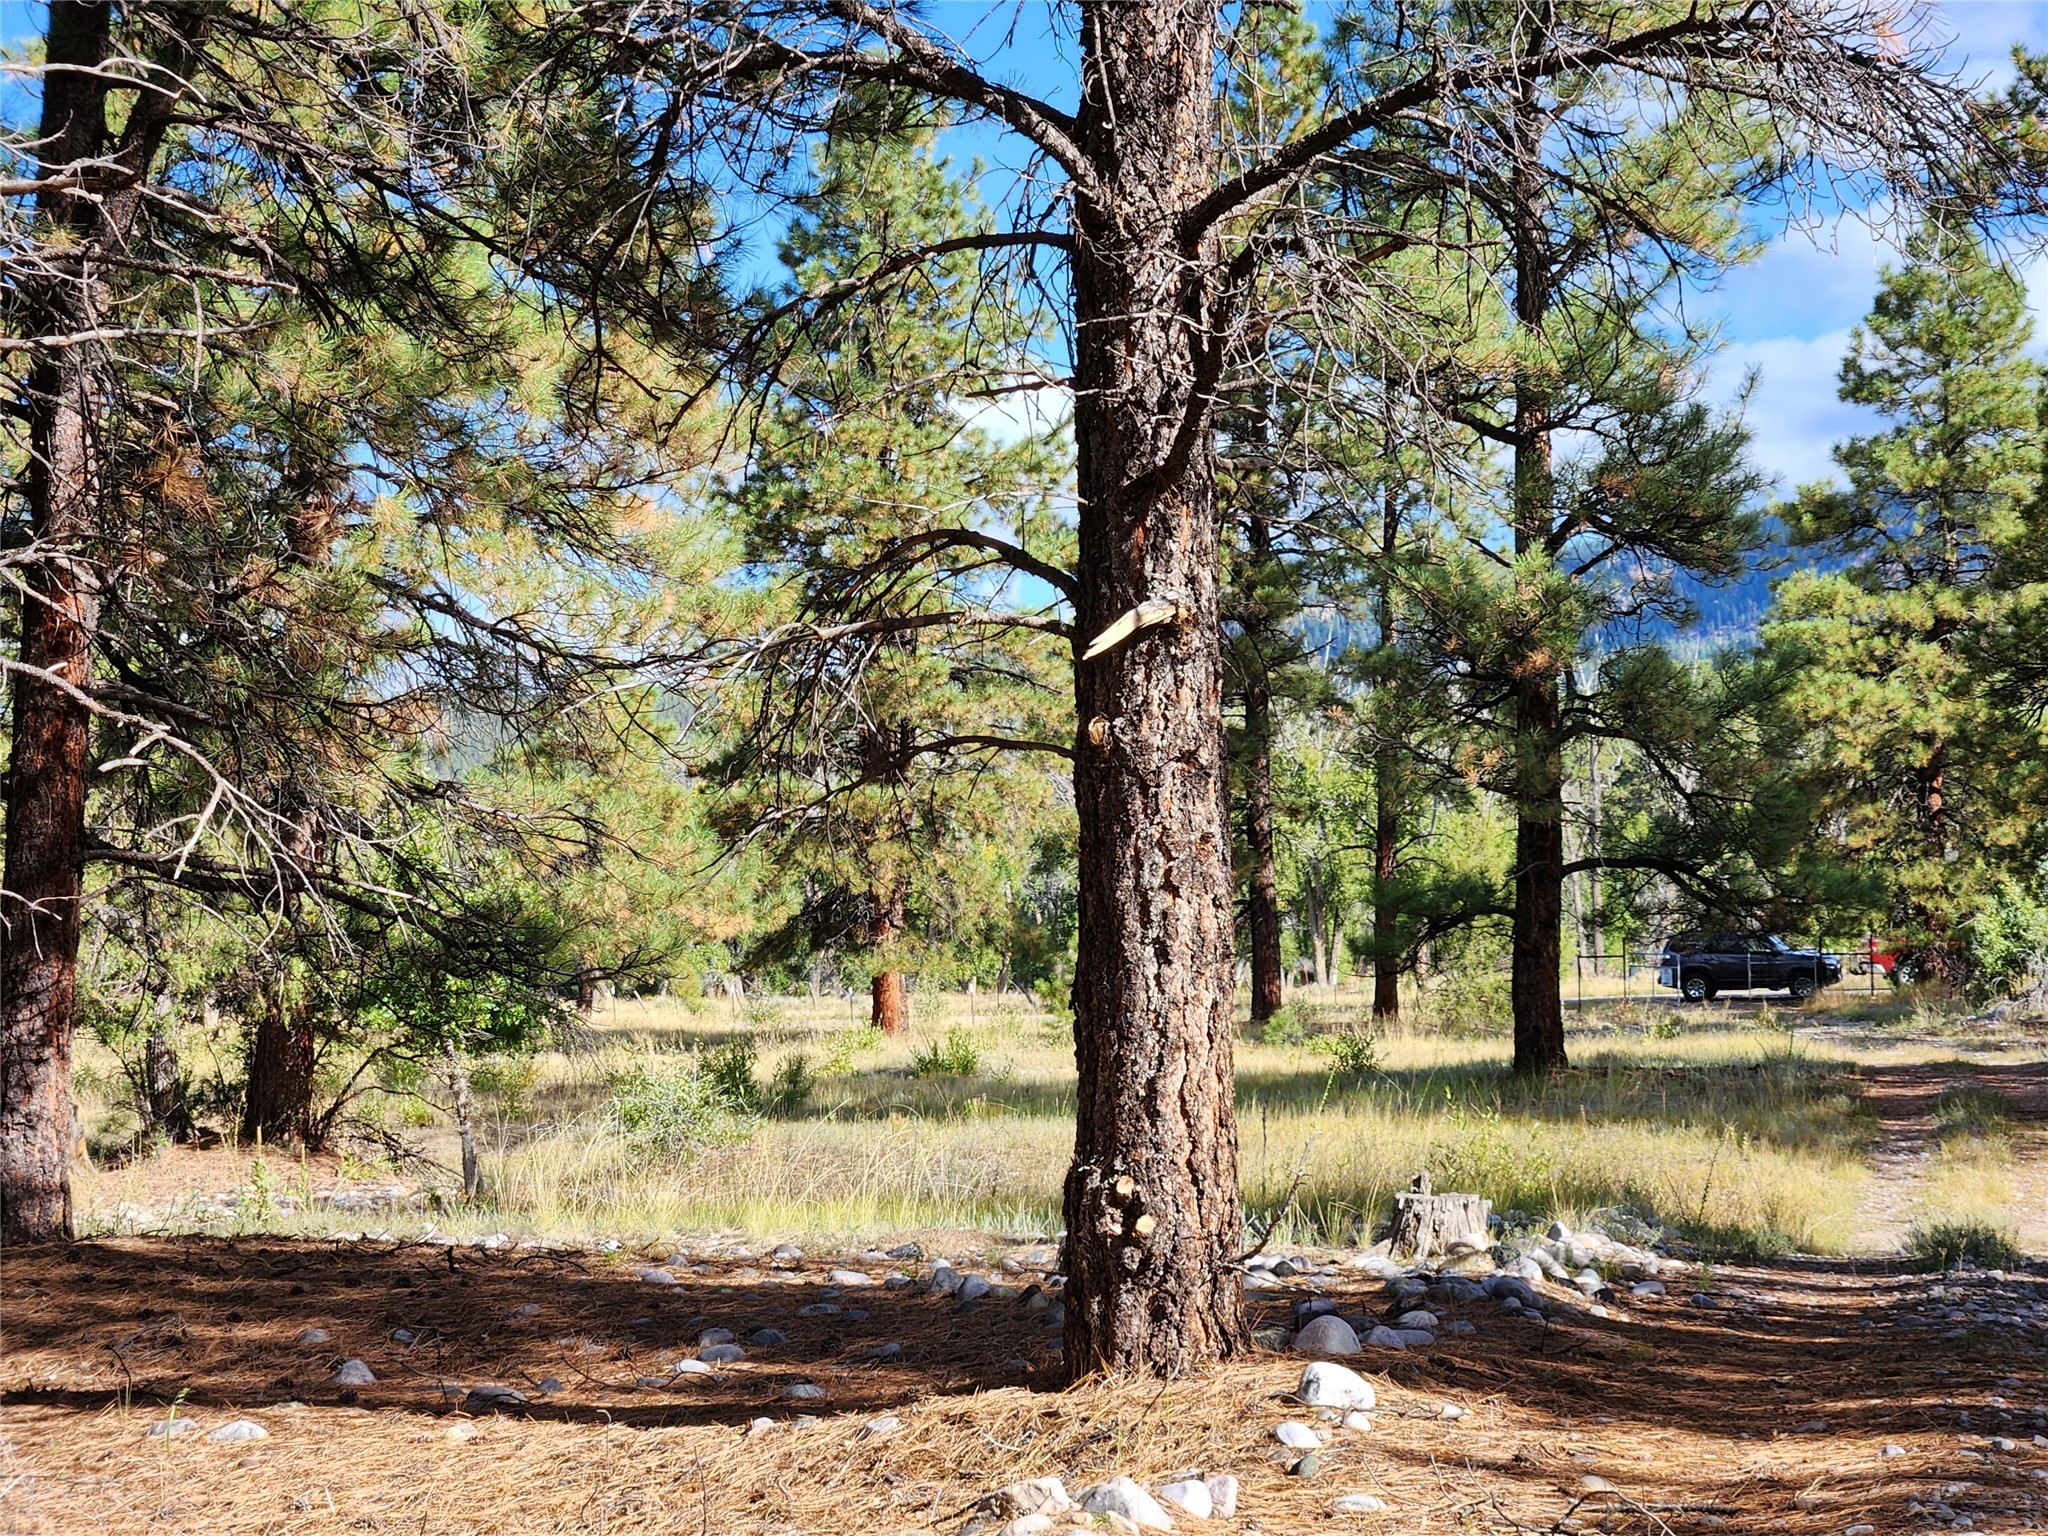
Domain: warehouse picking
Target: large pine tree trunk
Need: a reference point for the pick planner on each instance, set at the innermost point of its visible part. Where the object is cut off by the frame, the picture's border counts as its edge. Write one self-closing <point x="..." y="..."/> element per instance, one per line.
<point x="46" y="771"/>
<point x="1154" y="1227"/>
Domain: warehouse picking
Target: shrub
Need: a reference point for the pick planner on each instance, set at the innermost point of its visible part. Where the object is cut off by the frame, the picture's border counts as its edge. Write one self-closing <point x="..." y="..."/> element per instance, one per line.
<point x="790" y="1089"/>
<point x="847" y="1044"/>
<point x="1283" y="1027"/>
<point x="672" y="1109"/>
<point x="1946" y="1244"/>
<point x="955" y="1056"/>
<point x="730" y="1072"/>
<point x="1352" y="1052"/>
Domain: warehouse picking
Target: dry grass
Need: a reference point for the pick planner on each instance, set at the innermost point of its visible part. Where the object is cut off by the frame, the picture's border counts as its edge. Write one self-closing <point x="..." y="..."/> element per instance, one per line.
<point x="1724" y="1125"/>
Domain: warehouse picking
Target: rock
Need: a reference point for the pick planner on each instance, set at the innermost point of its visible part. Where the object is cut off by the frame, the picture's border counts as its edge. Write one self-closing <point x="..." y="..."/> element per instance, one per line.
<point x="1356" y="1420"/>
<point x="313" y="1336"/>
<point x="353" y="1373"/>
<point x="1892" y="1452"/>
<point x="1315" y="1306"/>
<point x="1273" y="1336"/>
<point x="721" y="1354"/>
<point x="760" y="1426"/>
<point x="1510" y="1288"/>
<point x="945" y="1279"/>
<point x="1121" y="1496"/>
<point x="1028" y="1525"/>
<point x="491" y="1399"/>
<point x="1418" y="1319"/>
<point x="1297" y="1435"/>
<point x="887" y="1424"/>
<point x="1415" y="1338"/>
<point x="1385" y="1338"/>
<point x="851" y="1279"/>
<point x="1326" y="1335"/>
<point x="717" y="1336"/>
<point x="1259" y="1280"/>
<point x="1357" y="1504"/>
<point x="689" y="1368"/>
<point x="657" y="1276"/>
<point x="171" y="1429"/>
<point x="1812" y="1427"/>
<point x="1647" y="1288"/>
<point x="1702" y="1299"/>
<point x="459" y="1431"/>
<point x="1324" y="1385"/>
<point x="786" y="1253"/>
<point x="767" y="1338"/>
<point x="1861" y="1530"/>
<point x="819" y="1309"/>
<point x="1222" y="1495"/>
<point x="889" y="1351"/>
<point x="2001" y="1443"/>
<point x="1189" y="1495"/>
<point x="805" y="1392"/>
<point x="527" y="1309"/>
<point x="1308" y="1466"/>
<point x="1458" y="1326"/>
<point x="974" y="1287"/>
<point x="1035" y="1496"/>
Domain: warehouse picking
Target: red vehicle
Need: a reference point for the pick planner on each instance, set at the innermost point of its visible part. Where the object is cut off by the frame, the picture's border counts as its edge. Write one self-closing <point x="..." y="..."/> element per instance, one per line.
<point x="1899" y="965"/>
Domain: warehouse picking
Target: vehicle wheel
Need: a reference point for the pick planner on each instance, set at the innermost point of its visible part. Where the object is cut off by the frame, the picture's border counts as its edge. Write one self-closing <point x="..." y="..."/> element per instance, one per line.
<point x="1905" y="973"/>
<point x="1802" y="988"/>
<point x="1697" y="987"/>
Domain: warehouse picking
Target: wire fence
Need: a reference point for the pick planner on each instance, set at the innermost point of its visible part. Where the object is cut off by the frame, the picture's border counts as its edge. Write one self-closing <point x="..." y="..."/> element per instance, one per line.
<point x="1625" y="975"/>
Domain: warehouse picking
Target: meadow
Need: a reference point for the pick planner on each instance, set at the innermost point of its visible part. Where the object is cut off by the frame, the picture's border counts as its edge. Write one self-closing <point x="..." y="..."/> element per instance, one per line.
<point x="1742" y="1130"/>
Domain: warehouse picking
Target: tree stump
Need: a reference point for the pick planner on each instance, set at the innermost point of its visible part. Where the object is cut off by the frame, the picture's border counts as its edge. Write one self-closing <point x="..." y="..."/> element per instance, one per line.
<point x="1426" y="1224"/>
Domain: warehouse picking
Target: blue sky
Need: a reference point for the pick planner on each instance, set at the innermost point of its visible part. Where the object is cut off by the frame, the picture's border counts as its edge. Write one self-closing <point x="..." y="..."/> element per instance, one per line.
<point x="1787" y="316"/>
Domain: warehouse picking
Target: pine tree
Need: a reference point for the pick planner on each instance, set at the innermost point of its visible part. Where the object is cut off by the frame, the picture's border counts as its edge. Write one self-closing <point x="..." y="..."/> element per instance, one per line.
<point x="878" y="762"/>
<point x="1914" y="772"/>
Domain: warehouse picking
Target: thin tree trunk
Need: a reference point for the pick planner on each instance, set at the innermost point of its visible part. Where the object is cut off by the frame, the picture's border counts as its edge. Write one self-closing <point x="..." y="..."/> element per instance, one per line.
<point x="465" y="1127"/>
<point x="1596" y="926"/>
<point x="46" y="774"/>
<point x="1264" y="903"/>
<point x="163" y="1088"/>
<point x="1154" y="1225"/>
<point x="1386" y="817"/>
<point x="1535" y="986"/>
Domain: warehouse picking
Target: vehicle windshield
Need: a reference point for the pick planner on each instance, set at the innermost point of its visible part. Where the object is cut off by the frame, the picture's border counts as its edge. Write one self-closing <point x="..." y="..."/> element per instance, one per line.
<point x="1777" y="943"/>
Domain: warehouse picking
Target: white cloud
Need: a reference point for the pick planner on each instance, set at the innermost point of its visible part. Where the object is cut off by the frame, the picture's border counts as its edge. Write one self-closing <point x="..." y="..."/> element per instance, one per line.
<point x="1794" y="416"/>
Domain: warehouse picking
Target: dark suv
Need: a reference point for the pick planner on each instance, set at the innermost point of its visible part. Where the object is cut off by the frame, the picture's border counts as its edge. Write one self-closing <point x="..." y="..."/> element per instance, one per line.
<point x="1699" y="967"/>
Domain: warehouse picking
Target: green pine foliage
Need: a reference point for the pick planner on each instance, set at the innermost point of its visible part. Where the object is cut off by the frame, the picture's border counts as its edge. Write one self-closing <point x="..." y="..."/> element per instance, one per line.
<point x="1905" y="750"/>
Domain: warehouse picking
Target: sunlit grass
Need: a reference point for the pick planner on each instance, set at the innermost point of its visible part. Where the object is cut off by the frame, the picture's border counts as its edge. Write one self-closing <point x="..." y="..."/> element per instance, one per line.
<point x="1743" y="1131"/>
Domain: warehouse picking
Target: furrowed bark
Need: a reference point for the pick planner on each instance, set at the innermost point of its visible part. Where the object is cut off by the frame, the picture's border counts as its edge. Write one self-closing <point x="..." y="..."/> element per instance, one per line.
<point x="1153" y="1221"/>
<point x="1386" y="809"/>
<point x="46" y="772"/>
